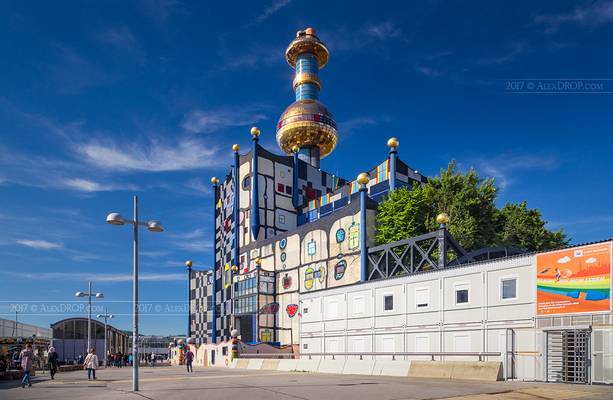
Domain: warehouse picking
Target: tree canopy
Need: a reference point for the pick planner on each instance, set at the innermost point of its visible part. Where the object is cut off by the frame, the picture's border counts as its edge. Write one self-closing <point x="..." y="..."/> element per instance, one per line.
<point x="475" y="221"/>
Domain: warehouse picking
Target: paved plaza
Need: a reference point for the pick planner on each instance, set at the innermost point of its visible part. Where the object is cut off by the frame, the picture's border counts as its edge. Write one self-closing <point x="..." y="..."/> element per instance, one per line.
<point x="218" y="383"/>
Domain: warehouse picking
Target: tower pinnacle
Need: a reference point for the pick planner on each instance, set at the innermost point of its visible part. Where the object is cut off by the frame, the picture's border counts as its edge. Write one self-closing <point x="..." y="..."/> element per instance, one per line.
<point x="307" y="123"/>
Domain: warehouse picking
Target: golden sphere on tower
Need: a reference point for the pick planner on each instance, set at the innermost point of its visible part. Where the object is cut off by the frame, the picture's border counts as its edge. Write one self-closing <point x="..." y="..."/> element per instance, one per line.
<point x="188" y="263"/>
<point x="295" y="148"/>
<point x="235" y="268"/>
<point x="255" y="131"/>
<point x="258" y="261"/>
<point x="363" y="178"/>
<point x="442" y="218"/>
<point x="214" y="180"/>
<point x="392" y="142"/>
<point x="235" y="147"/>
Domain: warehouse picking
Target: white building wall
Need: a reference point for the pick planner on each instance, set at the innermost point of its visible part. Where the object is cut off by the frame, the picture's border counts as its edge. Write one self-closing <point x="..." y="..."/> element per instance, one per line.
<point x="426" y="316"/>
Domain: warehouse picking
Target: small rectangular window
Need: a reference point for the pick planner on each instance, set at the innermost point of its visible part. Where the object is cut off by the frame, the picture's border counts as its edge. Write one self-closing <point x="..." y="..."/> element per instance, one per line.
<point x="422" y="298"/>
<point x="508" y="288"/>
<point x="305" y="310"/>
<point x="388" y="302"/>
<point x="461" y="295"/>
<point x="305" y="346"/>
<point x="281" y="218"/>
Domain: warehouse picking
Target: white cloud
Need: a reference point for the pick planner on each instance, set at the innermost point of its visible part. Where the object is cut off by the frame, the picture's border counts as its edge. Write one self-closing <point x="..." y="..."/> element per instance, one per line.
<point x="564" y="260"/>
<point x="270" y="10"/>
<point x="86" y="185"/>
<point x="591" y="14"/>
<point x="155" y="156"/>
<point x="83" y="276"/>
<point x="427" y="71"/>
<point x="207" y="121"/>
<point x="504" y="166"/>
<point x="383" y="31"/>
<point x="40" y="244"/>
<point x="200" y="187"/>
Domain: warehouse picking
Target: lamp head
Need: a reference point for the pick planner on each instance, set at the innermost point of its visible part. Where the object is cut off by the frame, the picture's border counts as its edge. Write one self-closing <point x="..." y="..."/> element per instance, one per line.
<point x="80" y="294"/>
<point x="100" y="295"/>
<point x="111" y="316"/>
<point x="363" y="178"/>
<point x="99" y="316"/>
<point x="155" y="226"/>
<point x="115" y="219"/>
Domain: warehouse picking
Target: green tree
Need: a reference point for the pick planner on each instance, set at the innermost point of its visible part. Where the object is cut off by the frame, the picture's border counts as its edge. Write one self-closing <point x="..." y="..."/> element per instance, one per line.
<point x="475" y="221"/>
<point x="524" y="227"/>
<point x="402" y="215"/>
<point x="469" y="201"/>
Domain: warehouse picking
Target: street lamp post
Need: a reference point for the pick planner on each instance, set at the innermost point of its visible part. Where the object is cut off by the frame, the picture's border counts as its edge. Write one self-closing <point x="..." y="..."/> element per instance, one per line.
<point x="106" y="317"/>
<point x="153" y="226"/>
<point x="188" y="264"/>
<point x="89" y="296"/>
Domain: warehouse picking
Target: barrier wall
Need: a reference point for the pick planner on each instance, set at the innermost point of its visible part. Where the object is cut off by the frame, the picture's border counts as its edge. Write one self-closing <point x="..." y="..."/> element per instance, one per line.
<point x="473" y="370"/>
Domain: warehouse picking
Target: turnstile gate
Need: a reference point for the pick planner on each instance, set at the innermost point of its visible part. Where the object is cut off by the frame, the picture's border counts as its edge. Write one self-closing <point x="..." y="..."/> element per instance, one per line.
<point x="568" y="356"/>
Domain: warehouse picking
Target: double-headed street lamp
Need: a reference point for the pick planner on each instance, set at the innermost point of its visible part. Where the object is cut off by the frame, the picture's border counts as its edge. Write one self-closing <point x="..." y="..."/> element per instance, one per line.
<point x="89" y="295"/>
<point x="153" y="226"/>
<point x="106" y="317"/>
<point x="188" y="264"/>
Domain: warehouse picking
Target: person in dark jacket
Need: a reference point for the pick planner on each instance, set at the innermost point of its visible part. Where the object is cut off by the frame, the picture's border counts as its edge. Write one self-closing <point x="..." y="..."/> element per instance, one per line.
<point x="52" y="360"/>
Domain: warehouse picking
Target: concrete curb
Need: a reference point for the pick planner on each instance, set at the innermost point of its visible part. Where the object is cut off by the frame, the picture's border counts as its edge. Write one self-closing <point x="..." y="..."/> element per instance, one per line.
<point x="331" y="366"/>
<point x="391" y="368"/>
<point x="359" y="367"/>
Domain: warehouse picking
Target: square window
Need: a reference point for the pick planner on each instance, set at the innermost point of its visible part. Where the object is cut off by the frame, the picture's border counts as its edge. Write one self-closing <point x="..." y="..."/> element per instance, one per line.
<point x="288" y="189"/>
<point x="311" y="248"/>
<point x="305" y="310"/>
<point x="281" y="218"/>
<point x="461" y="295"/>
<point x="422" y="297"/>
<point x="280" y="187"/>
<point x="508" y="288"/>
<point x="388" y="302"/>
<point x="305" y="346"/>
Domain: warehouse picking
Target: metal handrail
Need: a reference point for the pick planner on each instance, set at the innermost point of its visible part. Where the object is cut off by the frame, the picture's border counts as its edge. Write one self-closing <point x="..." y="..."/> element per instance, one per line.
<point x="481" y="355"/>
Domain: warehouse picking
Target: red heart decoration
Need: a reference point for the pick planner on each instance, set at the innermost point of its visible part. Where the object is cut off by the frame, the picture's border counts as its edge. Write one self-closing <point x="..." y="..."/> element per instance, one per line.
<point x="291" y="310"/>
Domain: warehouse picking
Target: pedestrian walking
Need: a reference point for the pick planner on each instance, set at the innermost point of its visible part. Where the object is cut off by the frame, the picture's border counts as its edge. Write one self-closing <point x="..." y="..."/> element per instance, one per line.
<point x="130" y="360"/>
<point x="90" y="364"/>
<point x="153" y="360"/>
<point x="189" y="358"/>
<point x="52" y="360"/>
<point x="27" y="357"/>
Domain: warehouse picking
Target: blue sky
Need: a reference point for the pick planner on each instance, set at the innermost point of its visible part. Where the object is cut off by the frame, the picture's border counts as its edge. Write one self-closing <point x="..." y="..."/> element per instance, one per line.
<point x="100" y="101"/>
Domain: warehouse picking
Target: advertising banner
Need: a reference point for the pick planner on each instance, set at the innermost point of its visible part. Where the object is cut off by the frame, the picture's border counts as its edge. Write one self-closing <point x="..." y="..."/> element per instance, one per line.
<point x="576" y="280"/>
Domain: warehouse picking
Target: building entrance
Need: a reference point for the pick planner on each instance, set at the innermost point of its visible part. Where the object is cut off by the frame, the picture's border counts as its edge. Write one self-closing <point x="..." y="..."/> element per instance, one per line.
<point x="568" y="356"/>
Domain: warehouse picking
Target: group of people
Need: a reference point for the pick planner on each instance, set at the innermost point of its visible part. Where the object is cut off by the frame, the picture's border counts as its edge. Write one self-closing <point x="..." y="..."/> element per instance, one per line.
<point x="118" y="360"/>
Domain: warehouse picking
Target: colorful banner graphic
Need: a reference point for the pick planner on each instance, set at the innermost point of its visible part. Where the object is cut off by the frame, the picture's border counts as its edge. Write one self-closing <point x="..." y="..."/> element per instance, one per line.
<point x="574" y="281"/>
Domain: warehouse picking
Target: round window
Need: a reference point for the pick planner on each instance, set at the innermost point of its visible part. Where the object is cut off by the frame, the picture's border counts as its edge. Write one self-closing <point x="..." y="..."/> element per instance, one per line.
<point x="340" y="235"/>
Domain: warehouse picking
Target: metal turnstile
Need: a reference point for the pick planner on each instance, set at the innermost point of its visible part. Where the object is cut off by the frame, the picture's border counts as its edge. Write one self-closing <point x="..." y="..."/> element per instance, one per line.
<point x="568" y="356"/>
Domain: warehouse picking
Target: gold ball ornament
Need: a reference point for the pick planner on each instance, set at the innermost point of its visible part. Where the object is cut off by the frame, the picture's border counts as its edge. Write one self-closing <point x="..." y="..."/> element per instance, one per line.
<point x="235" y="268"/>
<point x="295" y="148"/>
<point x="214" y="180"/>
<point x="363" y="178"/>
<point x="255" y="131"/>
<point x="258" y="261"/>
<point x="188" y="263"/>
<point x="442" y="218"/>
<point x="235" y="147"/>
<point x="393" y="142"/>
